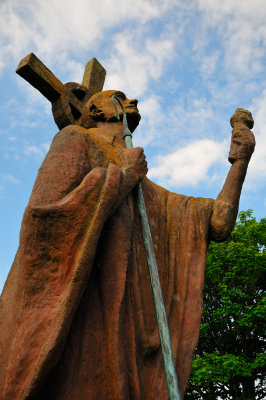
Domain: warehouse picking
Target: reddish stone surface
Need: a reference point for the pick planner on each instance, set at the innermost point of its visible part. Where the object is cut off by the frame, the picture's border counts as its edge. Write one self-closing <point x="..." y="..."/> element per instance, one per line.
<point x="77" y="315"/>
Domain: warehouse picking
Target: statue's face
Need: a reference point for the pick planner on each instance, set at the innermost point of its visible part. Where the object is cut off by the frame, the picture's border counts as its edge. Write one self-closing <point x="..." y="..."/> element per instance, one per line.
<point x="102" y="102"/>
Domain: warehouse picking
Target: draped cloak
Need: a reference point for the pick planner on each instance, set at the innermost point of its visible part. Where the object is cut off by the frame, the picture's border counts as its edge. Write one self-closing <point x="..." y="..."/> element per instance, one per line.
<point x="77" y="319"/>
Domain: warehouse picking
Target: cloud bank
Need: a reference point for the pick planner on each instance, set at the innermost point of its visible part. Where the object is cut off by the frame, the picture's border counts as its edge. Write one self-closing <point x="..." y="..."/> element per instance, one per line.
<point x="147" y="48"/>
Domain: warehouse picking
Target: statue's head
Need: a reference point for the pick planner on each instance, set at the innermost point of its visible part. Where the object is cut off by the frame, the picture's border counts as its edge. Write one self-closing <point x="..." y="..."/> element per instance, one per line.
<point x="101" y="108"/>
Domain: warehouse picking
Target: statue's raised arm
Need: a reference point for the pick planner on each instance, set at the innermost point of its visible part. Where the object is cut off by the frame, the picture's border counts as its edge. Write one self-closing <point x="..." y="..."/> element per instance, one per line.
<point x="226" y="205"/>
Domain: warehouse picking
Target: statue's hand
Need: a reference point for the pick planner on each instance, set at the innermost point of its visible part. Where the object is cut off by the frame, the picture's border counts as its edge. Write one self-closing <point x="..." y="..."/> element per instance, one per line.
<point x="243" y="140"/>
<point x="134" y="162"/>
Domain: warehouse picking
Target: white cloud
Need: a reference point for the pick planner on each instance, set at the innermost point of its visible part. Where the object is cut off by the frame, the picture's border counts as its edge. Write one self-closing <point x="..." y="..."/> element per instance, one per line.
<point x="36" y="151"/>
<point x="54" y="29"/>
<point x="152" y="119"/>
<point x="150" y="108"/>
<point x="219" y="9"/>
<point x="241" y="29"/>
<point x="209" y="63"/>
<point x="132" y="66"/>
<point x="188" y="165"/>
<point x="189" y="117"/>
<point x="11" y="179"/>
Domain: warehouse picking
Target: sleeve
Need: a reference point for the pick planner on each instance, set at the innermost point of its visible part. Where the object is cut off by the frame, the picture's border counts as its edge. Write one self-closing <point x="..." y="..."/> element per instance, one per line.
<point x="59" y="236"/>
<point x="63" y="168"/>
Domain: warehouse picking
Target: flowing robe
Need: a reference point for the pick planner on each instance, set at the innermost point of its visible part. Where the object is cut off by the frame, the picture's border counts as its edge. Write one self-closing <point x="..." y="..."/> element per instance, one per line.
<point x="76" y="314"/>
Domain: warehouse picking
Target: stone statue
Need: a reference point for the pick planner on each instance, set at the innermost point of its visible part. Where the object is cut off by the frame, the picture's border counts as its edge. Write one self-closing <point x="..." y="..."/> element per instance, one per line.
<point x="77" y="316"/>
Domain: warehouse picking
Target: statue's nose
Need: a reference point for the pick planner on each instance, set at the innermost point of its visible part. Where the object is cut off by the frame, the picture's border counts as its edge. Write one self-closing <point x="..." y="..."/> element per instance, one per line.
<point x="133" y="101"/>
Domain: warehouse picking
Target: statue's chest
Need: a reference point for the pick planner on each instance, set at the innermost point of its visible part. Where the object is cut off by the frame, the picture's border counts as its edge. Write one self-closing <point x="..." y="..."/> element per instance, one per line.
<point x="102" y="153"/>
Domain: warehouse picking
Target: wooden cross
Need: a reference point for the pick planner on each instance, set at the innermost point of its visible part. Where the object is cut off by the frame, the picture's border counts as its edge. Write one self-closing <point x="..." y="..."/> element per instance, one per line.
<point x="68" y="100"/>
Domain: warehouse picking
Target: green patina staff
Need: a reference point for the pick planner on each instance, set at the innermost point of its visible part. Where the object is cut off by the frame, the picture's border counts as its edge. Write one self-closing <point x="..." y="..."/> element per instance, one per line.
<point x="171" y="376"/>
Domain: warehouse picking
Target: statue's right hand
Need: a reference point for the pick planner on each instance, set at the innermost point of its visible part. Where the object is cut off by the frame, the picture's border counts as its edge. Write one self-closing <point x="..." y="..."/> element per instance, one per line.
<point x="134" y="162"/>
<point x="243" y="140"/>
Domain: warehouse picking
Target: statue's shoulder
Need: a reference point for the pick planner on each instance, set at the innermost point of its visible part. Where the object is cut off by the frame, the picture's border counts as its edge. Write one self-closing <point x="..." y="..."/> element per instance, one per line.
<point x="74" y="138"/>
<point x="72" y="130"/>
<point x="72" y="133"/>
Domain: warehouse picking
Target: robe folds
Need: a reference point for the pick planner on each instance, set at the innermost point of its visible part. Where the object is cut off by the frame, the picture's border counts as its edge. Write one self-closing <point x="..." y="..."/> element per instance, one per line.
<point x="77" y="319"/>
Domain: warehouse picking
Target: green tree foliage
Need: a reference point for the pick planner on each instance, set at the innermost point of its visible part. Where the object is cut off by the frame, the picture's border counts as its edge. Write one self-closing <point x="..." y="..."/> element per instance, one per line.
<point x="230" y="360"/>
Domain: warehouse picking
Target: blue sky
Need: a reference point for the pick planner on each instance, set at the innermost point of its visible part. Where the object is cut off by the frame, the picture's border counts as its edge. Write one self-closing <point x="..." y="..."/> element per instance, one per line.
<point x="190" y="63"/>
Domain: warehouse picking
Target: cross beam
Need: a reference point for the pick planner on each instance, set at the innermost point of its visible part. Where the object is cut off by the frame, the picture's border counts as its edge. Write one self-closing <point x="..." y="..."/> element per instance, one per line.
<point x="68" y="100"/>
